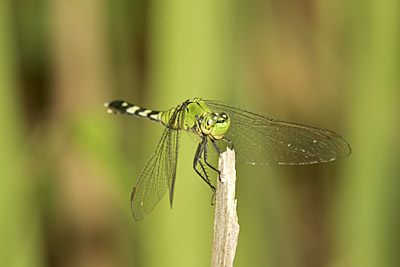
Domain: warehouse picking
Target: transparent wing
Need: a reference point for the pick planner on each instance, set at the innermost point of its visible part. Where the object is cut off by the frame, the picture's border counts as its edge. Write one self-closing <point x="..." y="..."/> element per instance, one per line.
<point x="261" y="139"/>
<point x="159" y="173"/>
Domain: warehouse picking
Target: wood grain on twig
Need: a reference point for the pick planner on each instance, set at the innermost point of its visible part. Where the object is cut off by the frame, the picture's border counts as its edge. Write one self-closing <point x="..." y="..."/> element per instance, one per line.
<point x="226" y="227"/>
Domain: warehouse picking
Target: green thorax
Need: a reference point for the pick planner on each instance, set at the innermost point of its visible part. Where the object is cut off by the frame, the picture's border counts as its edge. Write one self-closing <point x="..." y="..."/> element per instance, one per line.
<point x="197" y="118"/>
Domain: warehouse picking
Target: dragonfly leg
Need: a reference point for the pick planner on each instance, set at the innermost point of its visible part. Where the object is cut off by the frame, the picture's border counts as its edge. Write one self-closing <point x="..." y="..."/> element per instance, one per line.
<point x="213" y="199"/>
<point x="229" y="141"/>
<point x="212" y="167"/>
<point x="197" y="160"/>
<point x="216" y="147"/>
<point x="205" y="154"/>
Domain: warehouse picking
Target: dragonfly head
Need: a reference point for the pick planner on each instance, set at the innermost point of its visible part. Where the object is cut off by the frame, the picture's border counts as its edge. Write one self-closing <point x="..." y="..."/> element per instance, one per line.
<point x="215" y="124"/>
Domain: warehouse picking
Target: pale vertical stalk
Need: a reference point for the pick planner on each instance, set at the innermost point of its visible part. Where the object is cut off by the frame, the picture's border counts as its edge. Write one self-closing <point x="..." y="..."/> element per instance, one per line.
<point x="20" y="243"/>
<point x="80" y="77"/>
<point x="226" y="227"/>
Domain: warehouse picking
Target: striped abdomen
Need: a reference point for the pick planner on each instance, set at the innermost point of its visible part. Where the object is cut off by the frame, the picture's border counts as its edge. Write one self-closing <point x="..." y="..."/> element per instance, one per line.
<point x="123" y="107"/>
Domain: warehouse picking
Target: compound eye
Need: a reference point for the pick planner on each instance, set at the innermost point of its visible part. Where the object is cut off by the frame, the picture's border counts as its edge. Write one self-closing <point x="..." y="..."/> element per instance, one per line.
<point x="210" y="120"/>
<point x="222" y="118"/>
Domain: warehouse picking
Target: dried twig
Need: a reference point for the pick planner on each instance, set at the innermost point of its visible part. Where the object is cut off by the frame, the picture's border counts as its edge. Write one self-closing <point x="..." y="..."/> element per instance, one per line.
<point x="226" y="227"/>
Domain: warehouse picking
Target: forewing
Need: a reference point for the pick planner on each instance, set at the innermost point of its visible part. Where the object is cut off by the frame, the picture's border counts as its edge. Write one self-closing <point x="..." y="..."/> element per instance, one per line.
<point x="262" y="139"/>
<point x="159" y="173"/>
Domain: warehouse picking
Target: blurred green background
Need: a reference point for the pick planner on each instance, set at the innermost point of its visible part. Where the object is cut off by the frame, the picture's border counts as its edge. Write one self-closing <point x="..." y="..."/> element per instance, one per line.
<point x="67" y="168"/>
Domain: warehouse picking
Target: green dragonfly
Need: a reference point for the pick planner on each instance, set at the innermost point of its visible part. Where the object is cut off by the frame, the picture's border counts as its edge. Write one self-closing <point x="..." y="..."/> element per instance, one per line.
<point x="256" y="137"/>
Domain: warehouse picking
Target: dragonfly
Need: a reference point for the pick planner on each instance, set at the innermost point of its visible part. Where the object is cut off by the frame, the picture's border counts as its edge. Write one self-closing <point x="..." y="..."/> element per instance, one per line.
<point x="257" y="138"/>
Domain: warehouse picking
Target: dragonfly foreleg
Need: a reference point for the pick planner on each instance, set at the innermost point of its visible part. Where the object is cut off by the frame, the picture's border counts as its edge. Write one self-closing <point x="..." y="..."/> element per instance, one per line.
<point x="205" y="154"/>
<point x="229" y="141"/>
<point x="216" y="147"/>
<point x="197" y="160"/>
